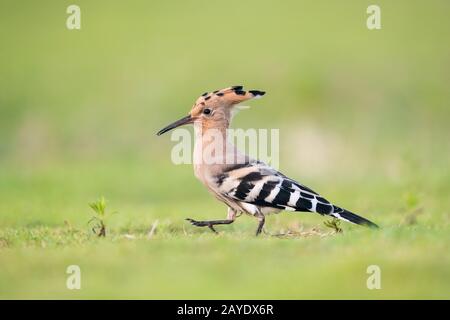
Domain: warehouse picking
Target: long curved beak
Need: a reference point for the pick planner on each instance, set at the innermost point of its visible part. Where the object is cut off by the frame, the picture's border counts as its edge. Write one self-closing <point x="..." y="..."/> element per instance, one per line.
<point x="182" y="121"/>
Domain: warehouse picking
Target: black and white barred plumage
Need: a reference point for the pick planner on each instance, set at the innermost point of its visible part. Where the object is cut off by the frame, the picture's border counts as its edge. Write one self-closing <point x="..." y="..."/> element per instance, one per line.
<point x="260" y="188"/>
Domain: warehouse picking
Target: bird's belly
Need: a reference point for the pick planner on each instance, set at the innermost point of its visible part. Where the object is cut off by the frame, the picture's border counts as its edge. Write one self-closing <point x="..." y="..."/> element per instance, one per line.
<point x="255" y="210"/>
<point x="269" y="210"/>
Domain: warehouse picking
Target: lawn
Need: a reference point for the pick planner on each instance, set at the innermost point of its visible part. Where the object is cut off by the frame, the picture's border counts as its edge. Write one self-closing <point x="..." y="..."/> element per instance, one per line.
<point x="363" y="119"/>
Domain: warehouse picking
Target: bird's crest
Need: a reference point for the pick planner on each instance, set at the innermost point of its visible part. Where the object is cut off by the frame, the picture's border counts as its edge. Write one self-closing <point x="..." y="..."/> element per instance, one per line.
<point x="228" y="96"/>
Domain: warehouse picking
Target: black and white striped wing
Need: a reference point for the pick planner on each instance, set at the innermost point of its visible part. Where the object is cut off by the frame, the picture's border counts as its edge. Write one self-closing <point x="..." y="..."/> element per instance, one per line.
<point x="258" y="184"/>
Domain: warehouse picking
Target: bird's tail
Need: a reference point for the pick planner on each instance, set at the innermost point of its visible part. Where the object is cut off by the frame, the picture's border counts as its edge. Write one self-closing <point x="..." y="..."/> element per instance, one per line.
<point x="351" y="217"/>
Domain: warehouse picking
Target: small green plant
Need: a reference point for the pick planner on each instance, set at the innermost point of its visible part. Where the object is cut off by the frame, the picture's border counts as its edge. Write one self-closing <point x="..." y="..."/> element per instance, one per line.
<point x="334" y="224"/>
<point x="411" y="200"/>
<point x="98" y="221"/>
<point x="413" y="209"/>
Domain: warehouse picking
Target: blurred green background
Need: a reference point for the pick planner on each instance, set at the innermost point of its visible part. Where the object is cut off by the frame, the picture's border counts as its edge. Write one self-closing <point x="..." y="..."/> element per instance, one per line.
<point x="363" y="118"/>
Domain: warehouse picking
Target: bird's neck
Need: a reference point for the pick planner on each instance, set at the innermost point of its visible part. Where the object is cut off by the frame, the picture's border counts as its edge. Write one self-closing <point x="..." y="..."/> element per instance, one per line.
<point x="213" y="146"/>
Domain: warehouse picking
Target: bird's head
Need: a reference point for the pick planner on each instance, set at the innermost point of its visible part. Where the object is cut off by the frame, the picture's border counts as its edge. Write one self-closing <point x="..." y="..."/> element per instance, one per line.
<point x="214" y="109"/>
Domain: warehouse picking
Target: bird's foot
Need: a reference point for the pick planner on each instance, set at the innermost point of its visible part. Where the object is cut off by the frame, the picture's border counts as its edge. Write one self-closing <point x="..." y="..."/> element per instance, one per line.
<point x="208" y="224"/>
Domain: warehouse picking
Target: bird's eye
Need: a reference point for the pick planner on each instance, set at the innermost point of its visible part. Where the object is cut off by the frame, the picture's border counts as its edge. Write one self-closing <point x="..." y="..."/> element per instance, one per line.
<point x="206" y="111"/>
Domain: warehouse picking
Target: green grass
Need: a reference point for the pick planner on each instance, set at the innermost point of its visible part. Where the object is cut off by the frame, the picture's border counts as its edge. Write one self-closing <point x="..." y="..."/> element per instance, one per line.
<point x="363" y="118"/>
<point x="174" y="264"/>
<point x="180" y="261"/>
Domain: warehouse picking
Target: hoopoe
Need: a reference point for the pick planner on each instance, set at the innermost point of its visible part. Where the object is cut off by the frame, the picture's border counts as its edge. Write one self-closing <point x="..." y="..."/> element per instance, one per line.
<point x="244" y="184"/>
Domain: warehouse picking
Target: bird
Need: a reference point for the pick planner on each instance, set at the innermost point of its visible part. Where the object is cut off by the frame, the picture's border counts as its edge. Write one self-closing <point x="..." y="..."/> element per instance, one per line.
<point x="245" y="185"/>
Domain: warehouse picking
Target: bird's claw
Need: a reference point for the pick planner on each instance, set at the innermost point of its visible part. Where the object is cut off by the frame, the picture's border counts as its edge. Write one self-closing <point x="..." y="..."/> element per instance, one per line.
<point x="202" y="224"/>
<point x="197" y="223"/>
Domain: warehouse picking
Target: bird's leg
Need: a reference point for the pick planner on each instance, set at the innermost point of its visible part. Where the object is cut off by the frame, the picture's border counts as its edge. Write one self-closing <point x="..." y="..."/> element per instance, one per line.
<point x="211" y="223"/>
<point x="262" y="220"/>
